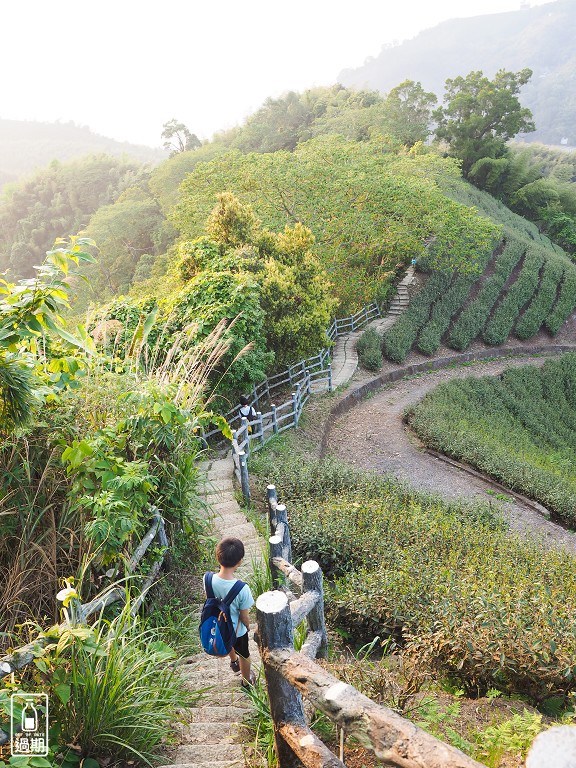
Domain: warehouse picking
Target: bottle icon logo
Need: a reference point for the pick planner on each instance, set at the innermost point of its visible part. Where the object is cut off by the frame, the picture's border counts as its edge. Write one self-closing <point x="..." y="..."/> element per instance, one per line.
<point x="29" y="724"/>
<point x="29" y="718"/>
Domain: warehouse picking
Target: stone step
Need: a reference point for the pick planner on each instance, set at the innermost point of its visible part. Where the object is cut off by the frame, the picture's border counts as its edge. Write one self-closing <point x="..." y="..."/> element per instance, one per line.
<point x="210" y="733"/>
<point x="225" y="713"/>
<point x="206" y="753"/>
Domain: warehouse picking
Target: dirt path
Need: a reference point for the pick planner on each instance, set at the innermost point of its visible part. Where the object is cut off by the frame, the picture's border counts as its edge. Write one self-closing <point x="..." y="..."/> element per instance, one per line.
<point x="373" y="437"/>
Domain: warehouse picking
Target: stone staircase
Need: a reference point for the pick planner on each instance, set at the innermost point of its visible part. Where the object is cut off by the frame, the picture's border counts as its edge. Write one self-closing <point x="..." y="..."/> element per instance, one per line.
<point x="344" y="355"/>
<point x="401" y="300"/>
<point x="210" y="739"/>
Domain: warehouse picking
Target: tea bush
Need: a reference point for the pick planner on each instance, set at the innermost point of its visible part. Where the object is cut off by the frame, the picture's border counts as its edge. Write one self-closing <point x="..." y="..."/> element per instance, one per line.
<point x="518" y="294"/>
<point x="564" y="304"/>
<point x="369" y="350"/>
<point x="519" y="428"/>
<point x="473" y="318"/>
<point x="442" y="312"/>
<point x="464" y="596"/>
<point x="539" y="308"/>
<point x="398" y="340"/>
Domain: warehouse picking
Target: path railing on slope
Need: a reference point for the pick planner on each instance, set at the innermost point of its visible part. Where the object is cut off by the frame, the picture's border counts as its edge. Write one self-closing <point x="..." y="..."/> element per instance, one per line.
<point x="305" y="376"/>
<point x="20" y="657"/>
<point x="317" y="368"/>
<point x="290" y="674"/>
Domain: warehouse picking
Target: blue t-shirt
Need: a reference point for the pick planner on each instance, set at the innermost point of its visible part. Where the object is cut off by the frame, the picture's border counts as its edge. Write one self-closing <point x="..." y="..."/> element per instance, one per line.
<point x="242" y="600"/>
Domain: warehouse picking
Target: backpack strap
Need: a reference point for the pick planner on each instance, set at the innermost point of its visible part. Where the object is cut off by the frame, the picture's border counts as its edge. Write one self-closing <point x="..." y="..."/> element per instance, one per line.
<point x="208" y="584"/>
<point x="233" y="592"/>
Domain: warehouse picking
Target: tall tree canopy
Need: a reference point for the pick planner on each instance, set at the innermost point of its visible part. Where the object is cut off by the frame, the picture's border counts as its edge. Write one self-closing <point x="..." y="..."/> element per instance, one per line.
<point x="480" y="115"/>
<point x="179" y="138"/>
<point x="370" y="211"/>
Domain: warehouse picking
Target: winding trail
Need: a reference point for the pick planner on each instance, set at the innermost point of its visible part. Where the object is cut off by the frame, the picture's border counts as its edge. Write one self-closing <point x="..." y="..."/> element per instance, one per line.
<point x="372" y="436"/>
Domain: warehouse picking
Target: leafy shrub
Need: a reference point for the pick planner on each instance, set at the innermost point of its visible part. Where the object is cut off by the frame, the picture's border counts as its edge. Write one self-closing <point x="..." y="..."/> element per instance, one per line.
<point x="519" y="428"/>
<point x="539" y="308"/>
<point x="106" y="679"/>
<point x="369" y="348"/>
<point x="519" y="293"/>
<point x="473" y="318"/>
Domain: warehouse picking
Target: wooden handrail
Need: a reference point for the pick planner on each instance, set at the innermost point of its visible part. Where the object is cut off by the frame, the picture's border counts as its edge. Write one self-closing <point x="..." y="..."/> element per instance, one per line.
<point x="289" y="675"/>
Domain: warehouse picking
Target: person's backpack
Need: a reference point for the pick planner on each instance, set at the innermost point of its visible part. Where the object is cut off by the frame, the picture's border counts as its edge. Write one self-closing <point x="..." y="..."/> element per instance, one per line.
<point x="217" y="634"/>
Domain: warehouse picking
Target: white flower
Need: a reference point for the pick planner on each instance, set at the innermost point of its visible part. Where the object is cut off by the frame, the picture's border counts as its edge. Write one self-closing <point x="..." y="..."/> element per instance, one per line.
<point x="67" y="594"/>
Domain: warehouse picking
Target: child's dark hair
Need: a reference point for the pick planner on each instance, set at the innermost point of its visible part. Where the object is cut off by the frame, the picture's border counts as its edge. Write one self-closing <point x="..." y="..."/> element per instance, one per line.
<point x="229" y="552"/>
<point x="244" y="400"/>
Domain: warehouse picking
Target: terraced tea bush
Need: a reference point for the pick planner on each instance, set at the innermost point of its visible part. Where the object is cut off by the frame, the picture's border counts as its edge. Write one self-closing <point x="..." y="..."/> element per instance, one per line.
<point x="369" y="348"/>
<point x="398" y="340"/>
<point x="533" y="318"/>
<point x="473" y="318"/>
<point x="519" y="428"/>
<point x="519" y="293"/>
<point x="463" y="595"/>
<point x="442" y="312"/>
<point x="565" y="303"/>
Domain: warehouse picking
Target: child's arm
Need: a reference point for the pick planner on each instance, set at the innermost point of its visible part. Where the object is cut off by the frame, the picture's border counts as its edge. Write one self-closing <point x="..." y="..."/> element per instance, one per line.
<point x="245" y="617"/>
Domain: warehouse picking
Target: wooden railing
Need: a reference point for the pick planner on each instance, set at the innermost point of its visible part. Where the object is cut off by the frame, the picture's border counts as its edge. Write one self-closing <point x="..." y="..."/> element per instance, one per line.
<point x="290" y="675"/>
<point x="306" y="376"/>
<point x="316" y="371"/>
<point x="20" y="657"/>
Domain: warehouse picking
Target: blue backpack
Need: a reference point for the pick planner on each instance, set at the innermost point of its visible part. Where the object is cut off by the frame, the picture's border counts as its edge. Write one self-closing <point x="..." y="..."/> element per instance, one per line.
<point x="217" y="634"/>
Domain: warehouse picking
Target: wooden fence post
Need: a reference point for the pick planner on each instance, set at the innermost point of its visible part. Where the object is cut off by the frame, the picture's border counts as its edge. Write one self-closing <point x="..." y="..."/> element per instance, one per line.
<point x="244" y="477"/>
<point x="312" y="580"/>
<point x="307" y="387"/>
<point x="295" y="408"/>
<point x="282" y="517"/>
<point x="244" y="428"/>
<point x="274" y="420"/>
<point x="260" y="427"/>
<point x="275" y="631"/>
<point x="330" y="386"/>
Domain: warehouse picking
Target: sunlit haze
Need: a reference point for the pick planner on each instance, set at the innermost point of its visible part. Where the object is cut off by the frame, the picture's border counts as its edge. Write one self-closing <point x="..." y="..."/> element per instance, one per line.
<point x="124" y="68"/>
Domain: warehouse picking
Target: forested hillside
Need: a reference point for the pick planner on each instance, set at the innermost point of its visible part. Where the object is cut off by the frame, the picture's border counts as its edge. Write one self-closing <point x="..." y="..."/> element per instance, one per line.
<point x="541" y="38"/>
<point x="27" y="145"/>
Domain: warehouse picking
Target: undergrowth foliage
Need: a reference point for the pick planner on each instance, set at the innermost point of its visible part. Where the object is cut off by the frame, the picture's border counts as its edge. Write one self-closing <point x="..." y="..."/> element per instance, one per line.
<point x="447" y="582"/>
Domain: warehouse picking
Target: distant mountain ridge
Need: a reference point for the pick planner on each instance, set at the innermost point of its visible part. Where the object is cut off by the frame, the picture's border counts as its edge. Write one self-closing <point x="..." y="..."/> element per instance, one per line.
<point x="541" y="38"/>
<point x="28" y="145"/>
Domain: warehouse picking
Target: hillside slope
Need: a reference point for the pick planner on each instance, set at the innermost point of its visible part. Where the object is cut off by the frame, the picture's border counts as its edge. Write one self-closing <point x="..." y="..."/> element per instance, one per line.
<point x="26" y="145"/>
<point x="540" y="38"/>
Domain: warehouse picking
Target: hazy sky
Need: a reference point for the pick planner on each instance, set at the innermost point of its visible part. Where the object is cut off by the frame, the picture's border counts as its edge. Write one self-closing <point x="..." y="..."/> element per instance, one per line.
<point x="126" y="67"/>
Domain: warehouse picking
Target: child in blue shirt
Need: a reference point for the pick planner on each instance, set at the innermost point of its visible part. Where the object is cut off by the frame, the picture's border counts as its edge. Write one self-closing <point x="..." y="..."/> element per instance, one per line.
<point x="230" y="553"/>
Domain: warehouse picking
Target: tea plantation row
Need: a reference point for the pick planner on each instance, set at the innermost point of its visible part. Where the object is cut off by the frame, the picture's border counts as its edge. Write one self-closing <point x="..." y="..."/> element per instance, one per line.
<point x="520" y="428"/>
<point x="524" y="287"/>
<point x="448" y="582"/>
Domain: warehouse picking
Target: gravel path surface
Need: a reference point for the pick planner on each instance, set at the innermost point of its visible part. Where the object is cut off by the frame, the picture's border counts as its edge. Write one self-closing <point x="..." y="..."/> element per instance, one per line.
<point x="373" y="436"/>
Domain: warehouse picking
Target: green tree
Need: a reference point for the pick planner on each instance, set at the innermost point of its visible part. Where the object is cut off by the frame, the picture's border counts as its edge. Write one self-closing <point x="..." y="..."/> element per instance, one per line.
<point x="61" y="198"/>
<point x="124" y="232"/>
<point x="179" y="138"/>
<point x="370" y="211"/>
<point x="31" y="318"/>
<point x="408" y="110"/>
<point x="480" y="115"/>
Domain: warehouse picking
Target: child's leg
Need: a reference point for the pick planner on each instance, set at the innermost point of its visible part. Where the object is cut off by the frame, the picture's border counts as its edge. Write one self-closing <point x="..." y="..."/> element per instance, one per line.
<point x="245" y="668"/>
<point x="241" y="647"/>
